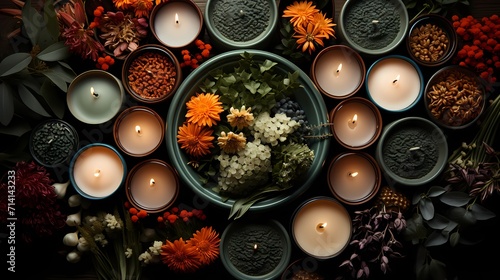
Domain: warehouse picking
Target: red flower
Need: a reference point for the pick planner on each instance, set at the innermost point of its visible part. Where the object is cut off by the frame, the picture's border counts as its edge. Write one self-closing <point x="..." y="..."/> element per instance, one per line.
<point x="179" y="256"/>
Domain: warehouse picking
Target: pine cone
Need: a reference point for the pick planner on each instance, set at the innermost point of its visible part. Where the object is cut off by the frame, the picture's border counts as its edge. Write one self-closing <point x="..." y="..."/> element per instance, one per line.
<point x="392" y="200"/>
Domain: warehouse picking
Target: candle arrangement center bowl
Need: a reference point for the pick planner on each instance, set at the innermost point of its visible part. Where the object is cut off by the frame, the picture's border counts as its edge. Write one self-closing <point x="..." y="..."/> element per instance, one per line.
<point x="307" y="96"/>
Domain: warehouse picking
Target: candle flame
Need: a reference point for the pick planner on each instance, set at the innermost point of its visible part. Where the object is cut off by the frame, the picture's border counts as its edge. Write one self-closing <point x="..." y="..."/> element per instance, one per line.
<point x="397" y="79"/>
<point x="375" y="21"/>
<point x="320" y="228"/>
<point x="323" y="225"/>
<point x="176" y="18"/>
<point x="414" y="148"/>
<point x="255" y="247"/>
<point x="138" y="129"/>
<point x="355" y="118"/>
<point x="353" y="122"/>
<point x="152" y="182"/>
<point x="93" y="92"/>
<point x="353" y="174"/>
<point x="97" y="173"/>
<point x="339" y="68"/>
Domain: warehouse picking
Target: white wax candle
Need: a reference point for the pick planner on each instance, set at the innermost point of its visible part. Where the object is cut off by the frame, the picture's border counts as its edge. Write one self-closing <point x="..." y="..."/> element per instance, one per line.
<point x="338" y="72"/>
<point x="98" y="171"/>
<point x="354" y="123"/>
<point x="177" y="24"/>
<point x="322" y="228"/>
<point x="140" y="131"/>
<point x="153" y="185"/>
<point x="394" y="83"/>
<point x="352" y="177"/>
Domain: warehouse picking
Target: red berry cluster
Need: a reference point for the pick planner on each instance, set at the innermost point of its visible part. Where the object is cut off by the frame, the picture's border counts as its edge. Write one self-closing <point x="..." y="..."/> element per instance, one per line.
<point x="481" y="48"/>
<point x="175" y="213"/>
<point x="104" y="62"/>
<point x="193" y="61"/>
<point x="135" y="214"/>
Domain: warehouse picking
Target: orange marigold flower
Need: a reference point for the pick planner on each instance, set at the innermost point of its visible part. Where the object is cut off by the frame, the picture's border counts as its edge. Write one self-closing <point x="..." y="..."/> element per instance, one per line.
<point x="300" y="12"/>
<point x="122" y="4"/>
<point x="142" y="8"/>
<point x="179" y="256"/>
<point x="204" y="109"/>
<point x="195" y="140"/>
<point x="206" y="241"/>
<point x="325" y="25"/>
<point x="306" y="38"/>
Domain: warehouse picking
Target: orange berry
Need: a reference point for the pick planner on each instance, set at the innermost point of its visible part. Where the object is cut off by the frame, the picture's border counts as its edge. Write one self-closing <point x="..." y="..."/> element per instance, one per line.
<point x="160" y="219"/>
<point x="198" y="56"/>
<point x="208" y="47"/>
<point x="104" y="66"/>
<point x="132" y="211"/>
<point x="142" y="214"/>
<point x="101" y="60"/>
<point x="186" y="57"/>
<point x="108" y="59"/>
<point x="97" y="13"/>
<point x="205" y="53"/>
<point x="134" y="218"/>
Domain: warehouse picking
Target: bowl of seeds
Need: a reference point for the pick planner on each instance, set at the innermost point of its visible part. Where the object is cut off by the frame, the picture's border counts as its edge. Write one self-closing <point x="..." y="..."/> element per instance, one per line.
<point x="454" y="97"/>
<point x="431" y="40"/>
<point x="151" y="74"/>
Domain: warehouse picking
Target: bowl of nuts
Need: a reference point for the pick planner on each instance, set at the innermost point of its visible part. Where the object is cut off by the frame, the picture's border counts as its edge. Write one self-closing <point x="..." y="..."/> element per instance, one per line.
<point x="151" y="74"/>
<point x="454" y="97"/>
<point x="432" y="40"/>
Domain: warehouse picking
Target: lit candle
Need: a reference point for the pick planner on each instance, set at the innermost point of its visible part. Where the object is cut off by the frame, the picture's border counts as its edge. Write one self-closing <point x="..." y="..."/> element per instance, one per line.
<point x="354" y="178"/>
<point x="95" y="96"/>
<point x="152" y="185"/>
<point x="176" y="23"/>
<point x="357" y="123"/>
<point x="338" y="71"/>
<point x="138" y="131"/>
<point x="321" y="227"/>
<point x="257" y="250"/>
<point x="395" y="83"/>
<point x="97" y="171"/>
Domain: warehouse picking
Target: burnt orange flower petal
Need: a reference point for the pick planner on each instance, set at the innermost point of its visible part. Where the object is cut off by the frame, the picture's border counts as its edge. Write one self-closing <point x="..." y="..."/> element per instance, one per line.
<point x="206" y="241"/>
<point x="204" y="109"/>
<point x="195" y="140"/>
<point x="179" y="256"/>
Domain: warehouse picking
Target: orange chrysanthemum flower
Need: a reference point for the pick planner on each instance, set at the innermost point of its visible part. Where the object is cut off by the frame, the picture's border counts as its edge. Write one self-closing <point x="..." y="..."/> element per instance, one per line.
<point x="142" y="8"/>
<point x="122" y="4"/>
<point x="195" y="140"/>
<point x="306" y="38"/>
<point x="204" y="109"/>
<point x="206" y="241"/>
<point x="325" y="25"/>
<point x="300" y="12"/>
<point x="179" y="256"/>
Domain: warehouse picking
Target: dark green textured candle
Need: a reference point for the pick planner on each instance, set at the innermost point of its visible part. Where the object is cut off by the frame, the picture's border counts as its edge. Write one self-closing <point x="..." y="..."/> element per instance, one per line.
<point x="53" y="142"/>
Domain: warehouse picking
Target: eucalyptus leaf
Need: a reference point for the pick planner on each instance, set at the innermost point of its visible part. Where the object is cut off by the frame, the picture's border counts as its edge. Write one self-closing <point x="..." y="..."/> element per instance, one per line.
<point x="17" y="127"/>
<point x="455" y="198"/>
<point x="32" y="21"/>
<point x="52" y="23"/>
<point x="437" y="269"/>
<point x="435" y="191"/>
<point x="6" y="103"/>
<point x="426" y="208"/>
<point x="59" y="81"/>
<point x="454" y="238"/>
<point x="462" y="216"/>
<point x="438" y="222"/>
<point x="14" y="63"/>
<point x="66" y="74"/>
<point x="54" y="98"/>
<point x="416" y="198"/>
<point x="30" y="101"/>
<point x="54" y="52"/>
<point x="436" y="238"/>
<point x="481" y="213"/>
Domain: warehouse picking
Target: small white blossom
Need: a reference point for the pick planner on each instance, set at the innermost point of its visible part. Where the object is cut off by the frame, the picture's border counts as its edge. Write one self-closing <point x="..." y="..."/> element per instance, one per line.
<point x="145" y="257"/>
<point x="128" y="253"/>
<point x="101" y="239"/>
<point x="111" y="222"/>
<point x="156" y="248"/>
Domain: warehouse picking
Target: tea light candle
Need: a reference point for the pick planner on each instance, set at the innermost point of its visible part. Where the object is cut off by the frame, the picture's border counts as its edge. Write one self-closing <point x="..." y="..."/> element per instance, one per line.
<point x="95" y="96"/>
<point x="176" y="23"/>
<point x="97" y="171"/>
<point x="138" y="131"/>
<point x="255" y="250"/>
<point x="152" y="185"/>
<point x="338" y="71"/>
<point x="354" y="177"/>
<point x="321" y="227"/>
<point x="394" y="83"/>
<point x="357" y="123"/>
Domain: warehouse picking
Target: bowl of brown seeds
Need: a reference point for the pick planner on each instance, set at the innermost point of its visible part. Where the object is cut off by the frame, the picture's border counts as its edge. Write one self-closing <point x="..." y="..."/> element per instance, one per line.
<point x="431" y="40"/>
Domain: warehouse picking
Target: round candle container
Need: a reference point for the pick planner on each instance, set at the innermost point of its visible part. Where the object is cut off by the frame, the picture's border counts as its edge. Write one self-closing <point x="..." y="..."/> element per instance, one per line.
<point x="53" y="142"/>
<point x="138" y="131"/>
<point x="338" y="71"/>
<point x="394" y="83"/>
<point x="442" y="38"/>
<point x="354" y="177"/>
<point x="152" y="185"/>
<point x="176" y="23"/>
<point x="305" y="268"/>
<point x="357" y="123"/>
<point x="321" y="227"/>
<point x="151" y="74"/>
<point x="255" y="250"/>
<point x="241" y="24"/>
<point x="95" y="96"/>
<point x="97" y="171"/>
<point x="412" y="151"/>
<point x="373" y="27"/>
<point x="454" y="97"/>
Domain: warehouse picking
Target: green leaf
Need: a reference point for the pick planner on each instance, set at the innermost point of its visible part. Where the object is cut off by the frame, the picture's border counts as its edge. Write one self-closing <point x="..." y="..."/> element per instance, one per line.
<point x="54" y="98"/>
<point x="252" y="86"/>
<point x="30" y="101"/>
<point x="437" y="270"/>
<point x="17" y="127"/>
<point x="438" y="222"/>
<point x="56" y="79"/>
<point x="14" y="63"/>
<point x="33" y="22"/>
<point x="267" y="65"/>
<point x="435" y="191"/>
<point x="411" y="5"/>
<point x="436" y="238"/>
<point x="462" y="216"/>
<point x="465" y="2"/>
<point x="6" y="103"/>
<point x="54" y="52"/>
<point x="426" y="208"/>
<point x="52" y="24"/>
<point x="454" y="238"/>
<point x="455" y="198"/>
<point x="416" y="198"/>
<point x="66" y="74"/>
<point x="481" y="213"/>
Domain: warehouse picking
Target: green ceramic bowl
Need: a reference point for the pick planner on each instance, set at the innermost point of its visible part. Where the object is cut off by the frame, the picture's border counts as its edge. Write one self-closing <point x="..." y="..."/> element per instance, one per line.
<point x="308" y="97"/>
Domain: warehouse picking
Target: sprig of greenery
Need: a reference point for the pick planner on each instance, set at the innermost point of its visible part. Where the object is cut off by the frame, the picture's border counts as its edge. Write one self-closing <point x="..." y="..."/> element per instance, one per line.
<point x="418" y="7"/>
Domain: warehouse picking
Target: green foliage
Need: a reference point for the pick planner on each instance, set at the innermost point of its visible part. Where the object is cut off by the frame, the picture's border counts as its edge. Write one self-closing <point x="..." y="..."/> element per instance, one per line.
<point x="441" y="7"/>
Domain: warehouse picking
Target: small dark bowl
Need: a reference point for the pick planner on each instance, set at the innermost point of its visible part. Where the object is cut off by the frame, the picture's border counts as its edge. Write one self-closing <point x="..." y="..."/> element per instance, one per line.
<point x="448" y="31"/>
<point x="142" y="50"/>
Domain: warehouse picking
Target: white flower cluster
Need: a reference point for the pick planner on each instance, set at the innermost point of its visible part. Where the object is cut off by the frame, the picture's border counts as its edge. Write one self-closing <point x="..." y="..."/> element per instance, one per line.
<point x="241" y="172"/>
<point x="152" y="254"/>
<point x="111" y="222"/>
<point x="270" y="130"/>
